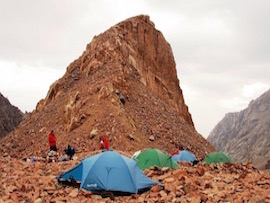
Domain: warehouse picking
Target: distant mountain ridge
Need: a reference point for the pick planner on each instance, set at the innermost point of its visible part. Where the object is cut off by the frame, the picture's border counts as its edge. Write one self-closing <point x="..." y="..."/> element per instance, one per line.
<point x="245" y="133"/>
<point x="10" y="116"/>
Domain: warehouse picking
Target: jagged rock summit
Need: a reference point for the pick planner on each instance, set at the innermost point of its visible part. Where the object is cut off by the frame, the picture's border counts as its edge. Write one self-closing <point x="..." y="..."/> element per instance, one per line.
<point x="125" y="86"/>
<point x="245" y="133"/>
<point x="10" y="116"/>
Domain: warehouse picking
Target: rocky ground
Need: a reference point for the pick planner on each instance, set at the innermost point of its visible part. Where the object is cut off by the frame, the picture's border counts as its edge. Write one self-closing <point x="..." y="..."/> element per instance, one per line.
<point x="36" y="182"/>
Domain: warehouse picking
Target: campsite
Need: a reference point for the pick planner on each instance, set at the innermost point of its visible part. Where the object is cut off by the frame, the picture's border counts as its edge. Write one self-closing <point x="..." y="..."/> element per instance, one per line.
<point x="122" y="101"/>
<point x="200" y="183"/>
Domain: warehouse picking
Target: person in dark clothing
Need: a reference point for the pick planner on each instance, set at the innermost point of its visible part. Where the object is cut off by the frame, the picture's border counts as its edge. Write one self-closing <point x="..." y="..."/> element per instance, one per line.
<point x="70" y="151"/>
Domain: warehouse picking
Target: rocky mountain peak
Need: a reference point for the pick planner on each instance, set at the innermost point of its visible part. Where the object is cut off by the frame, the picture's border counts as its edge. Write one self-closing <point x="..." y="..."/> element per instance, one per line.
<point x="133" y="45"/>
<point x="125" y="86"/>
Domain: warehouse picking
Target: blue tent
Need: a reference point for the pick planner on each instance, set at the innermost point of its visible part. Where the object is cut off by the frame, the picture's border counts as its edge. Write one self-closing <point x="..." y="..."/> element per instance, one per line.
<point x="184" y="156"/>
<point x="109" y="171"/>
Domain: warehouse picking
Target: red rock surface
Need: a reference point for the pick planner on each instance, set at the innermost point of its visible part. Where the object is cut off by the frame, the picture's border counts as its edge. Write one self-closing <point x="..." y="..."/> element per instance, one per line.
<point x="124" y="86"/>
<point x="36" y="182"/>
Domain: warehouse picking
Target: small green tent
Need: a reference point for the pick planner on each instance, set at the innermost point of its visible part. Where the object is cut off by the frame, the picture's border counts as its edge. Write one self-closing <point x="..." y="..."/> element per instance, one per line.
<point x="217" y="157"/>
<point x="154" y="157"/>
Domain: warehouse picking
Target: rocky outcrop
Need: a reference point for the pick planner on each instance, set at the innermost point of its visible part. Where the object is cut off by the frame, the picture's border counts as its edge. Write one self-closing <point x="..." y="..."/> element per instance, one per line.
<point x="245" y="134"/>
<point x="135" y="45"/>
<point x="124" y="86"/>
<point x="10" y="116"/>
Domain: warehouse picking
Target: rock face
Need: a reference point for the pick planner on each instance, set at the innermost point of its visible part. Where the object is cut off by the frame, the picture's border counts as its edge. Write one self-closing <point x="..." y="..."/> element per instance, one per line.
<point x="124" y="86"/>
<point x="10" y="116"/>
<point x="248" y="130"/>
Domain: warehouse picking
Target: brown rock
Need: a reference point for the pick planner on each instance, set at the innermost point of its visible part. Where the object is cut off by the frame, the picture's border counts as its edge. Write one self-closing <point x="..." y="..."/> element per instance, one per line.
<point x="204" y="198"/>
<point x="93" y="133"/>
<point x="163" y="177"/>
<point x="74" y="193"/>
<point x="163" y="194"/>
<point x="39" y="200"/>
<point x="169" y="180"/>
<point x="187" y="188"/>
<point x="156" y="188"/>
<point x="131" y="137"/>
<point x="207" y="185"/>
<point x="256" y="199"/>
<point x="169" y="187"/>
<point x="152" y="138"/>
<point x="154" y="194"/>
<point x="150" y="173"/>
<point x="165" y="169"/>
<point x="23" y="188"/>
<point x="195" y="199"/>
<point x="86" y="193"/>
<point x="200" y="171"/>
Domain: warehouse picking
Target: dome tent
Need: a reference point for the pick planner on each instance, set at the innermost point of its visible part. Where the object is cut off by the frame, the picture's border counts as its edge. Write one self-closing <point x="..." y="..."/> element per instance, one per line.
<point x="154" y="157"/>
<point x="217" y="157"/>
<point x="184" y="156"/>
<point x="108" y="171"/>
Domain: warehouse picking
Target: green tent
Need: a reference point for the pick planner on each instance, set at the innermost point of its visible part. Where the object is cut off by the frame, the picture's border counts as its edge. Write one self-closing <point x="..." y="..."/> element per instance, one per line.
<point x="217" y="157"/>
<point x="154" y="157"/>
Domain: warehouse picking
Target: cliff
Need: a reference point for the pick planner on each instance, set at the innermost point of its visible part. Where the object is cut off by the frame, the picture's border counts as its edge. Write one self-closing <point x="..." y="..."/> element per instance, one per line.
<point x="10" y="116"/>
<point x="125" y="86"/>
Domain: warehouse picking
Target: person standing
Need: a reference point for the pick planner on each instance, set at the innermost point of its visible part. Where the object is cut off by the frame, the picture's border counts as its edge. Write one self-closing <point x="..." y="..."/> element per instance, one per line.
<point x="104" y="143"/>
<point x="179" y="148"/>
<point x="52" y="141"/>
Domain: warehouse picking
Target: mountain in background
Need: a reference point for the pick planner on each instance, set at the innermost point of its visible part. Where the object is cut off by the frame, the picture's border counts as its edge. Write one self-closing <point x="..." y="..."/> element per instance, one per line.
<point x="10" y="116"/>
<point x="246" y="133"/>
<point x="125" y="86"/>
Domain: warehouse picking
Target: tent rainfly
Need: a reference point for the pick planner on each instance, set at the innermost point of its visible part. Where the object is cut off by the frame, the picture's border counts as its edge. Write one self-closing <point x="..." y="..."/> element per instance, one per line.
<point x="108" y="171"/>
<point x="184" y="156"/>
<point x="217" y="157"/>
<point x="154" y="157"/>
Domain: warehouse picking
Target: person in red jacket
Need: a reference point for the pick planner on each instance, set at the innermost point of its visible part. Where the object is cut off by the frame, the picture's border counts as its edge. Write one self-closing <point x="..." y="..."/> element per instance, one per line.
<point x="104" y="143"/>
<point x="52" y="141"/>
<point x="178" y="150"/>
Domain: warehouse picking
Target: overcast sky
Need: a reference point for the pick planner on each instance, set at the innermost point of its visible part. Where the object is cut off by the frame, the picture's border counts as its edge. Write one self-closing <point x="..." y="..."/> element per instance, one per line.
<point x="221" y="47"/>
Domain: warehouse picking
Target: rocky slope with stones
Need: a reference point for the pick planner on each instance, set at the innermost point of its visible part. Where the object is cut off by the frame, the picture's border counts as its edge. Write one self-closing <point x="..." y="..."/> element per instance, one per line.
<point x="245" y="133"/>
<point x="36" y="182"/>
<point x="125" y="86"/>
<point x="10" y="116"/>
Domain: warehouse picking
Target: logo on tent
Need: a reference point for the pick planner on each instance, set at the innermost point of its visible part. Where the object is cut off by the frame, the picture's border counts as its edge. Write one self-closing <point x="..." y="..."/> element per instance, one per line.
<point x="92" y="185"/>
